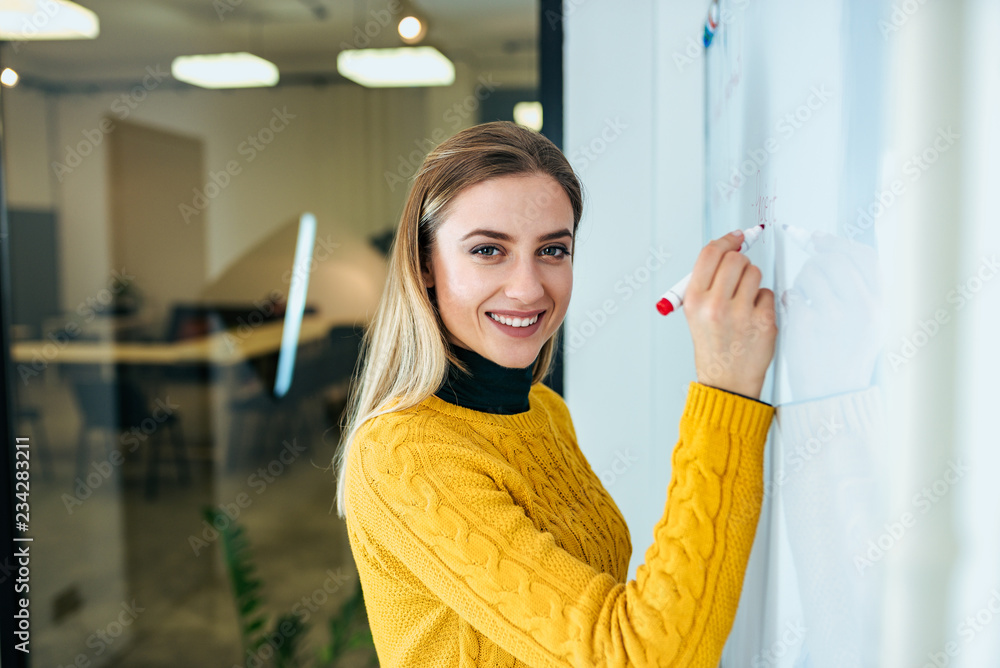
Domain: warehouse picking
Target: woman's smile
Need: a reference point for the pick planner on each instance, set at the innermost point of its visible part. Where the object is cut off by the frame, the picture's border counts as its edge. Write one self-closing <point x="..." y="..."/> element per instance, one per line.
<point x="517" y="327"/>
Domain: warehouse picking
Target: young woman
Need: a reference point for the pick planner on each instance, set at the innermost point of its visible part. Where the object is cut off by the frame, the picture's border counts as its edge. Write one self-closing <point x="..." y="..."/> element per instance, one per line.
<point x="481" y="534"/>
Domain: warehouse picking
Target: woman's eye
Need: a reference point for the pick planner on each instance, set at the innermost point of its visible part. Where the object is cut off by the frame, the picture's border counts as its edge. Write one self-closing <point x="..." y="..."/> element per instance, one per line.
<point x="475" y="251"/>
<point x="563" y="251"/>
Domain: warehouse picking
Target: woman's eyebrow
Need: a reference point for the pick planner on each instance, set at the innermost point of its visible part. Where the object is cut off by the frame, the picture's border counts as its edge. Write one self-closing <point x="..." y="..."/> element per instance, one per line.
<point x="503" y="236"/>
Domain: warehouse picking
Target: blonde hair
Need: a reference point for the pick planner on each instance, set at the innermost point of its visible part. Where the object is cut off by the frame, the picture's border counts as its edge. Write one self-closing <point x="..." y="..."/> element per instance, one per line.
<point x="404" y="353"/>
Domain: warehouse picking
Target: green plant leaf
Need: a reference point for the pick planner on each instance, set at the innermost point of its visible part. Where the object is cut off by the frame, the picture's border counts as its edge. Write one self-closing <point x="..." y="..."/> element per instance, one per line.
<point x="290" y="628"/>
<point x="249" y="606"/>
<point x="255" y="625"/>
<point x="246" y="586"/>
<point x="359" y="639"/>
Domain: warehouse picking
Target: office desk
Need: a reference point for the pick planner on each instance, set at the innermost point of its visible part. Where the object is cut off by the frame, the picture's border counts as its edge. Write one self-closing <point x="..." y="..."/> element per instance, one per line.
<point x="219" y="349"/>
<point x="222" y="353"/>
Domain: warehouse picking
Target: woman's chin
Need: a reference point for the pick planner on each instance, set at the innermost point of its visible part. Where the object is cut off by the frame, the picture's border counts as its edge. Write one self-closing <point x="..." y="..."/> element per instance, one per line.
<point x="516" y="359"/>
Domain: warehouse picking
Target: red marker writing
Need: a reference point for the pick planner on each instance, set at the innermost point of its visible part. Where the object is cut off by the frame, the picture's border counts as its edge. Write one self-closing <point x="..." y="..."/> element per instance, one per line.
<point x="673" y="298"/>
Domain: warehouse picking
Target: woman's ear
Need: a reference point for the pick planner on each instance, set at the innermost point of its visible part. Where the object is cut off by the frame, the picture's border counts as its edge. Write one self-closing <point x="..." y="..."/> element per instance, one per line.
<point x="428" y="275"/>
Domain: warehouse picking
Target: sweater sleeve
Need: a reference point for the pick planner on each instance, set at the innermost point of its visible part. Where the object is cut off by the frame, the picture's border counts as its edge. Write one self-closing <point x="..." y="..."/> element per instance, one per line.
<point x="444" y="513"/>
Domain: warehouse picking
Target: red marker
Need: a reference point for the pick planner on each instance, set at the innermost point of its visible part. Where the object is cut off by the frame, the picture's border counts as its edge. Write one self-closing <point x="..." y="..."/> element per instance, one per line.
<point x="673" y="298"/>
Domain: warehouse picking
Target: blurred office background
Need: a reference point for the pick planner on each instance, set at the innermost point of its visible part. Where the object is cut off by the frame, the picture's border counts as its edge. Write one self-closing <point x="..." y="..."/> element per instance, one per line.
<point x="153" y="225"/>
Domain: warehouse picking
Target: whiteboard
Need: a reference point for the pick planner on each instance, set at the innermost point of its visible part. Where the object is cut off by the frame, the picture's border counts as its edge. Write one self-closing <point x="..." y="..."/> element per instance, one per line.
<point x="794" y="130"/>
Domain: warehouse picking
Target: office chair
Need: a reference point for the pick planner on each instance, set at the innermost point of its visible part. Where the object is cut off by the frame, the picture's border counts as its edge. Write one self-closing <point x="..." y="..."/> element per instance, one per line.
<point x="117" y="407"/>
<point x="261" y="422"/>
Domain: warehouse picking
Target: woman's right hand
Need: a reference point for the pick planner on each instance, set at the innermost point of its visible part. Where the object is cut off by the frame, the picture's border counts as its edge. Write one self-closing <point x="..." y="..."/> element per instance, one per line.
<point x="732" y="319"/>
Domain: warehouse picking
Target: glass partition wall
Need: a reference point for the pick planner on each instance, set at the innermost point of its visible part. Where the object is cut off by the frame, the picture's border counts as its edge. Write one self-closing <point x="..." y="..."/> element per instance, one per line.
<point x="153" y="227"/>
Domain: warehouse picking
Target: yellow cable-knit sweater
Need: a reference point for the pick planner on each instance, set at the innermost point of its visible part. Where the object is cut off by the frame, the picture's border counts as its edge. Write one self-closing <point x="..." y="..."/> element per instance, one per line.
<point x="486" y="539"/>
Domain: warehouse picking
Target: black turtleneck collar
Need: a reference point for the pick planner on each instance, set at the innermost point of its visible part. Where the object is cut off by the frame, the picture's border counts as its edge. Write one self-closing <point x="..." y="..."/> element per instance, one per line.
<point x="490" y="389"/>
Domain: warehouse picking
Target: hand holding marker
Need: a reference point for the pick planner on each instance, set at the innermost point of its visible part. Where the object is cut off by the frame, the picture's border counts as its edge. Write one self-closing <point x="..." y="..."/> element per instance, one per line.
<point x="673" y="298"/>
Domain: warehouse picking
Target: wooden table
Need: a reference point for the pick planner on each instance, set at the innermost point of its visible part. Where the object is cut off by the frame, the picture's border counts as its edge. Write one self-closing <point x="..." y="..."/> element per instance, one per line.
<point x="222" y="352"/>
<point x="219" y="349"/>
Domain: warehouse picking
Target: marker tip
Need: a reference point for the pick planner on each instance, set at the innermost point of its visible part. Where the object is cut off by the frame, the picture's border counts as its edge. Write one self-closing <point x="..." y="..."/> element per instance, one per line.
<point x="664" y="306"/>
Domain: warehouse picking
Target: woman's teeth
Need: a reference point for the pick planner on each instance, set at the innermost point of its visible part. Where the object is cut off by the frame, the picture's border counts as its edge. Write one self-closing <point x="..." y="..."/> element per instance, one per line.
<point x="515" y="322"/>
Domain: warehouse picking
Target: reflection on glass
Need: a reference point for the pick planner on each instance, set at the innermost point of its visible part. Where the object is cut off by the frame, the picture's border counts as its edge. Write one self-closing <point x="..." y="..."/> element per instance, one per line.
<point x="153" y="230"/>
<point x="830" y="438"/>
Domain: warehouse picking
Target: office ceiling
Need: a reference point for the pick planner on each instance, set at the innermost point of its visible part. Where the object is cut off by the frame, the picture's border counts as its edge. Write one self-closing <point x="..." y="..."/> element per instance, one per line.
<point x="302" y="37"/>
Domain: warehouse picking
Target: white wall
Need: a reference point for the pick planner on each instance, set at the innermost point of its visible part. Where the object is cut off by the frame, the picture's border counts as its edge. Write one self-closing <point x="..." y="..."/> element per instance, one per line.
<point x="975" y="574"/>
<point x="925" y="57"/>
<point x="944" y="583"/>
<point x="627" y="367"/>
<point x="28" y="184"/>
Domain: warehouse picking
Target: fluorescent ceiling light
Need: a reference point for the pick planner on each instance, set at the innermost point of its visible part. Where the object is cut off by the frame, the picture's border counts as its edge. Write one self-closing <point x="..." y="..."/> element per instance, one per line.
<point x="46" y="19"/>
<point x="225" y="70"/>
<point x="404" y="66"/>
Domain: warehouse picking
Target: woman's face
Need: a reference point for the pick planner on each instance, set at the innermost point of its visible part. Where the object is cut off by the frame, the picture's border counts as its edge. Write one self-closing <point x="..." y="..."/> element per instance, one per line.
<point x="504" y="250"/>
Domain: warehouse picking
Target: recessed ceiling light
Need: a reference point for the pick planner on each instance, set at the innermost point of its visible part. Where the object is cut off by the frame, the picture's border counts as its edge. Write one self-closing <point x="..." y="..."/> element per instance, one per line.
<point x="8" y="77"/>
<point x="46" y="19"/>
<point x="225" y="70"/>
<point x="412" y="29"/>
<point x="404" y="66"/>
<point x="529" y="114"/>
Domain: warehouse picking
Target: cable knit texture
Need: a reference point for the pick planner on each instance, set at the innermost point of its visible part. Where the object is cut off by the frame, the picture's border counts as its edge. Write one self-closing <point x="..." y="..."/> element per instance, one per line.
<point x="488" y="540"/>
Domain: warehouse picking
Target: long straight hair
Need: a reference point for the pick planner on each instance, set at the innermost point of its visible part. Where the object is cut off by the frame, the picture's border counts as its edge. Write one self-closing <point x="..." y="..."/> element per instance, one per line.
<point x="404" y="352"/>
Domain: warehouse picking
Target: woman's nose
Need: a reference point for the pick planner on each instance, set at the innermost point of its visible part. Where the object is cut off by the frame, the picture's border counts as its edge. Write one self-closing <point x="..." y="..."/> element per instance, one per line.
<point x="524" y="283"/>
